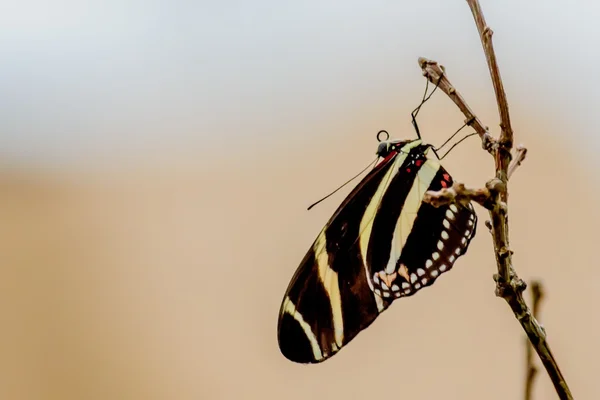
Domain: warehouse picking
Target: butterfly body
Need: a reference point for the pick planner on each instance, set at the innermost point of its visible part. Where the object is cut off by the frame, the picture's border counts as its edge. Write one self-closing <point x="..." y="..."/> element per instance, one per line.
<point x="382" y="243"/>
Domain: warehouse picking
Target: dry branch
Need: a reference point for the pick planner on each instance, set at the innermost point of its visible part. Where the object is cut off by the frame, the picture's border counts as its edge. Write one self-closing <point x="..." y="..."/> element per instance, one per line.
<point x="508" y="285"/>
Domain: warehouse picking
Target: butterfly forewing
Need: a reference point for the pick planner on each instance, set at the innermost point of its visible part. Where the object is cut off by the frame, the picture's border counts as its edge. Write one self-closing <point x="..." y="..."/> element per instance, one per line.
<point x="382" y="243"/>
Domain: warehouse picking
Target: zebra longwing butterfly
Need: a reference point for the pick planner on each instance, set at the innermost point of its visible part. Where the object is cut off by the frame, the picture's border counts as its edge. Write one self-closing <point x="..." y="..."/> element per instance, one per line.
<point x="382" y="243"/>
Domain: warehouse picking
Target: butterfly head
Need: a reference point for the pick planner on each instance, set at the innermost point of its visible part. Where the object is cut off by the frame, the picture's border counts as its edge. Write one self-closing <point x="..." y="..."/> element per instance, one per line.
<point x="387" y="147"/>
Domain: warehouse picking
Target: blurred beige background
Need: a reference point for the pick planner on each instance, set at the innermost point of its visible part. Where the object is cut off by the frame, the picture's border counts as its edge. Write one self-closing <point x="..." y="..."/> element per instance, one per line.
<point x="157" y="161"/>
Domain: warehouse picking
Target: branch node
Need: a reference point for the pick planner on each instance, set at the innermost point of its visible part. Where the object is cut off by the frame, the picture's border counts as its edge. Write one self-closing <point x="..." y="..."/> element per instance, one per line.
<point x="502" y="207"/>
<point x="495" y="186"/>
<point x="504" y="252"/>
<point x="524" y="315"/>
<point x="519" y="284"/>
<point x="488" y="32"/>
<point x="488" y="224"/>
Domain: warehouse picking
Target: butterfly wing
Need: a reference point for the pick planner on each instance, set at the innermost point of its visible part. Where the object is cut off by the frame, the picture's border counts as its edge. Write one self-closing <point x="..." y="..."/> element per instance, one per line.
<point x="336" y="292"/>
<point x="409" y="249"/>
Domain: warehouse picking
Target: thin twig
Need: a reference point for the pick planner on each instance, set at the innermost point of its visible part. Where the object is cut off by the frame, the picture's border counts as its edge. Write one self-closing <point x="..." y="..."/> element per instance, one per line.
<point x="516" y="162"/>
<point x="458" y="193"/>
<point x="531" y="370"/>
<point x="435" y="73"/>
<point x="485" y="34"/>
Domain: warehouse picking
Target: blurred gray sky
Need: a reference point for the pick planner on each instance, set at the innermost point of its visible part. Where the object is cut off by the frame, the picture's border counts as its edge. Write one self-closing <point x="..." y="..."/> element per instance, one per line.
<point x="89" y="82"/>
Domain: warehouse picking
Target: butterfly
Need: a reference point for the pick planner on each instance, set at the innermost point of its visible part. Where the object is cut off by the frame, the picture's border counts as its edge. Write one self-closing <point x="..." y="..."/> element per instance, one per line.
<point x="381" y="244"/>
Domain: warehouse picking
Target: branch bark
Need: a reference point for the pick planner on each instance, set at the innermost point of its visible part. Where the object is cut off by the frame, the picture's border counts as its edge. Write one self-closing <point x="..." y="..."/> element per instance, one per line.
<point x="508" y="285"/>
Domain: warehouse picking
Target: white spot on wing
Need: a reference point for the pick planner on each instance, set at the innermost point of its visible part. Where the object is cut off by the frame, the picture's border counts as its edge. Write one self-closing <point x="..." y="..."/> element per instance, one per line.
<point x="435" y="255"/>
<point x="413" y="278"/>
<point x="420" y="271"/>
<point x="434" y="273"/>
<point x="445" y="235"/>
<point x="453" y="208"/>
<point x="428" y="264"/>
<point x="440" y="245"/>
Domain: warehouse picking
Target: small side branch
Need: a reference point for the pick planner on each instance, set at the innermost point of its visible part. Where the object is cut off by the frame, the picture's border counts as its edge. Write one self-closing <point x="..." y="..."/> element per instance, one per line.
<point x="458" y="193"/>
<point x="437" y="75"/>
<point x="516" y="162"/>
<point x="531" y="370"/>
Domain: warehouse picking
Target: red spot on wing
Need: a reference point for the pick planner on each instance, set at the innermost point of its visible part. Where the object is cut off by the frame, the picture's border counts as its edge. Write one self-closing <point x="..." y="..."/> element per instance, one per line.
<point x="408" y="170"/>
<point x="446" y="177"/>
<point x="419" y="163"/>
<point x="444" y="184"/>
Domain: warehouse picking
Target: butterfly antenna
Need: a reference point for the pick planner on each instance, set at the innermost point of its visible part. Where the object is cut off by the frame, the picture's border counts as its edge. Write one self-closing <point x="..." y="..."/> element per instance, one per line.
<point x="435" y="150"/>
<point x="456" y="144"/>
<point x="347" y="182"/>
<point x="415" y="112"/>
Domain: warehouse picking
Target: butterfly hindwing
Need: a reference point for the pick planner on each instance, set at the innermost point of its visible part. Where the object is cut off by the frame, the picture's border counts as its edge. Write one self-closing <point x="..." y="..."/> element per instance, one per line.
<point x="381" y="235"/>
<point x="435" y="240"/>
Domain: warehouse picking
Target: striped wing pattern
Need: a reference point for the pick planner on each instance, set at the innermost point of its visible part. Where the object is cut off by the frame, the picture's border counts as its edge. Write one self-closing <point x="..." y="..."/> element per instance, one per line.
<point x="381" y="244"/>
